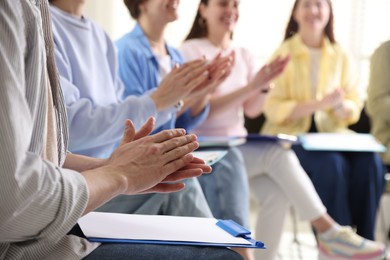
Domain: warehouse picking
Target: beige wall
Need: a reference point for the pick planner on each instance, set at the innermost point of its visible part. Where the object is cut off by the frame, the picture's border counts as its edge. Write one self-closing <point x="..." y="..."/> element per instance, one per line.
<point x="360" y="25"/>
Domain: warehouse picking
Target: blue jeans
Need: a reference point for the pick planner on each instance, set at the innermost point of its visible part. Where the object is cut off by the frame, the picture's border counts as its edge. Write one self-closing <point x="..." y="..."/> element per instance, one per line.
<point x="227" y="190"/>
<point x="159" y="252"/>
<point x="350" y="184"/>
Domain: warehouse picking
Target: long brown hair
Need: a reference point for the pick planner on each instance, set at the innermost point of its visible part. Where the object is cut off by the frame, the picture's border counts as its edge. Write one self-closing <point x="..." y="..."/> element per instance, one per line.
<point x="199" y="27"/>
<point x="292" y="26"/>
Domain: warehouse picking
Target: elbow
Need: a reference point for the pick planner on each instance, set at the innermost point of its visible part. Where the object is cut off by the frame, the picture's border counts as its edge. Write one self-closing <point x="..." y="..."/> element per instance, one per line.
<point x="8" y="232"/>
<point x="252" y="115"/>
<point x="253" y="112"/>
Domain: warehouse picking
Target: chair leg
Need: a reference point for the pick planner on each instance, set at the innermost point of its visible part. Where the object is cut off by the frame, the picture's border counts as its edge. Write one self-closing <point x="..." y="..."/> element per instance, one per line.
<point x="294" y="226"/>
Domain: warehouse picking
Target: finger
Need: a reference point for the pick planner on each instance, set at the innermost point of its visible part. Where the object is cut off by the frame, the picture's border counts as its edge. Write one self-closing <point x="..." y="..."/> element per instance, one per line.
<point x="179" y="69"/>
<point x="215" y="60"/>
<point x="273" y="70"/>
<point x="146" y="129"/>
<point x="171" y="147"/>
<point x="196" y="82"/>
<point x="195" y="74"/>
<point x="177" y="142"/>
<point x="222" y="73"/>
<point x="191" y="67"/>
<point x="204" y="167"/>
<point x="220" y="60"/>
<point x="223" y="65"/>
<point x="198" y="160"/>
<point x="183" y="174"/>
<point x="175" y="69"/>
<point x="233" y="54"/>
<point x="216" y="57"/>
<point x="278" y="61"/>
<point x="165" y="188"/>
<point x="177" y="164"/>
<point x="129" y="132"/>
<point x="167" y="135"/>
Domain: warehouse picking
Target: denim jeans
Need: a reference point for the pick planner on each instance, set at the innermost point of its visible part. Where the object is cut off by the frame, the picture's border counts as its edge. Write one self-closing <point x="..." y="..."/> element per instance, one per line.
<point x="120" y="251"/>
<point x="227" y="190"/>
<point x="350" y="184"/>
<point x="159" y="252"/>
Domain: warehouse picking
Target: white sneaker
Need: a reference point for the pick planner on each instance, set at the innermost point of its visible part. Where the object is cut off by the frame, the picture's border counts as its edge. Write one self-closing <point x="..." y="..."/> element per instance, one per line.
<point x="346" y="244"/>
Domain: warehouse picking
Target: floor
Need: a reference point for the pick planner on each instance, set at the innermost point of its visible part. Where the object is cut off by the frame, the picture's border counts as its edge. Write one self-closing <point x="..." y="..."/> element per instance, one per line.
<point x="299" y="247"/>
<point x="303" y="245"/>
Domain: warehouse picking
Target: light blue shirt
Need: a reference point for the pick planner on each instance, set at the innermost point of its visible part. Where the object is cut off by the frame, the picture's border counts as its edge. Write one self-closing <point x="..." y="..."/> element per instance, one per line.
<point x="87" y="61"/>
<point x="140" y="73"/>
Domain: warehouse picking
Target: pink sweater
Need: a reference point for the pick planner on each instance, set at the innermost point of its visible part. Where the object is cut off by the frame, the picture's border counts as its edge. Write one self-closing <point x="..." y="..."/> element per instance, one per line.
<point x="231" y="121"/>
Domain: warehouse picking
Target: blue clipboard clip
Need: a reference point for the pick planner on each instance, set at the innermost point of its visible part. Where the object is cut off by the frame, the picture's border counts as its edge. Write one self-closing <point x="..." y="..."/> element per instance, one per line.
<point x="236" y="230"/>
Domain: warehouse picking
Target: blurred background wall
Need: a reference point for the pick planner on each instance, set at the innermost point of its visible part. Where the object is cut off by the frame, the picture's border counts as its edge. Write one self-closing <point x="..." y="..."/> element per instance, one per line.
<point x="360" y="25"/>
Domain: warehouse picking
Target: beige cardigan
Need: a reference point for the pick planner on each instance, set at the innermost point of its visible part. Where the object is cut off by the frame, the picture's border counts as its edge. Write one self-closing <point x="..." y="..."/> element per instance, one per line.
<point x="378" y="94"/>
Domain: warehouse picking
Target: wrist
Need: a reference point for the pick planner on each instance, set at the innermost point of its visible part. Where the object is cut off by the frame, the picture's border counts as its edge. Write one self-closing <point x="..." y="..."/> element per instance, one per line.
<point x="320" y="105"/>
<point x="101" y="162"/>
<point x="179" y="105"/>
<point x="156" y="101"/>
<point x="338" y="106"/>
<point x="267" y="88"/>
<point x="115" y="177"/>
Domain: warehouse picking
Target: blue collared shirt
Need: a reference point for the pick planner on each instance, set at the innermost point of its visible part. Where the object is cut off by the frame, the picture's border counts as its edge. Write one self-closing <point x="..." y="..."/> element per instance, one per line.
<point x="140" y="72"/>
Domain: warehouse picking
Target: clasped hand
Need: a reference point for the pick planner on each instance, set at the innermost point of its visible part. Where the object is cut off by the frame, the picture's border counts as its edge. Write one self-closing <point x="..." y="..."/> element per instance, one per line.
<point x="192" y="80"/>
<point x="147" y="163"/>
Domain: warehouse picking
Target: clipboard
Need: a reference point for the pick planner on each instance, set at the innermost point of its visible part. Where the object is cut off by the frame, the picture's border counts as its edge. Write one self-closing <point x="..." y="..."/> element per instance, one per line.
<point x="168" y="230"/>
<point x="280" y="138"/>
<point x="347" y="142"/>
<point x="231" y="141"/>
<point x="220" y="141"/>
<point x="210" y="156"/>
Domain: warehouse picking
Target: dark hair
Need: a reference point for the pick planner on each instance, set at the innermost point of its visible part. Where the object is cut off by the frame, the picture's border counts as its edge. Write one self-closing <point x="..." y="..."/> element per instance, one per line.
<point x="133" y="7"/>
<point x="199" y="27"/>
<point x="292" y="26"/>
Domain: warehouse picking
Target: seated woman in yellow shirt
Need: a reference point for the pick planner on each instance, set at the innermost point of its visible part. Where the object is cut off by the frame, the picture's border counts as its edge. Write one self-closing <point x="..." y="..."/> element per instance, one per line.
<point x="318" y="92"/>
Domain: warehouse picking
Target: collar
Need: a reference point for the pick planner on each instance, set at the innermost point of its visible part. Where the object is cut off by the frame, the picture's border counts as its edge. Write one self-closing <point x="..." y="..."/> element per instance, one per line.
<point x="147" y="51"/>
<point x="299" y="48"/>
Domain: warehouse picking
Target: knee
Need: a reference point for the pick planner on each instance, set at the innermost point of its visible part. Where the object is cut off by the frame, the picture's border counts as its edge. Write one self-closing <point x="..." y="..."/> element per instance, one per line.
<point x="266" y="193"/>
<point x="330" y="170"/>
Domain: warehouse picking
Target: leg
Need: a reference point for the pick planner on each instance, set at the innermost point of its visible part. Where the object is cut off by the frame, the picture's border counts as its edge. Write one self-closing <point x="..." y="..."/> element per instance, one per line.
<point x="227" y="192"/>
<point x="277" y="181"/>
<point x="188" y="202"/>
<point x="282" y="166"/>
<point x="158" y="252"/>
<point x="367" y="186"/>
<point x="329" y="172"/>
<point x="273" y="207"/>
<point x="226" y="189"/>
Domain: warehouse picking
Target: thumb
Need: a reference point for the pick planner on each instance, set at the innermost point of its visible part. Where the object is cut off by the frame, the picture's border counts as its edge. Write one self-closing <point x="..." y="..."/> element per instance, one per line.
<point x="146" y="129"/>
<point x="129" y="133"/>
